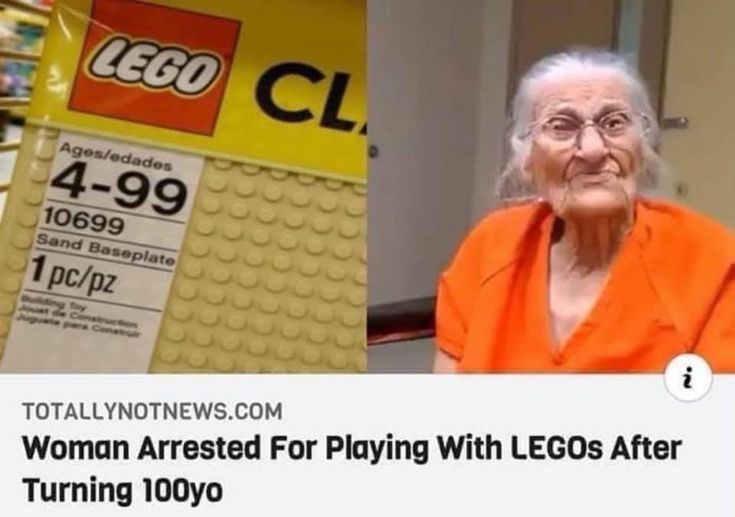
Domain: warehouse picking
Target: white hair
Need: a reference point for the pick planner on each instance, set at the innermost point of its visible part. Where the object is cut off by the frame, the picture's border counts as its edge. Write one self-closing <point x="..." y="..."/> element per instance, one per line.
<point x="513" y="183"/>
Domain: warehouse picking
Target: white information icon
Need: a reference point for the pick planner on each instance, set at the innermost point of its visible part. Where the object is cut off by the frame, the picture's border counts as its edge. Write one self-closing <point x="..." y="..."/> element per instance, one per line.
<point x="688" y="377"/>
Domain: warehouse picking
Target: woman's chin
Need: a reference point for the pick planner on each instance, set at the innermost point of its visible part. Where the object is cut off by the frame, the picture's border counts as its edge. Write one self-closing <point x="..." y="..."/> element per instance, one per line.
<point x="595" y="200"/>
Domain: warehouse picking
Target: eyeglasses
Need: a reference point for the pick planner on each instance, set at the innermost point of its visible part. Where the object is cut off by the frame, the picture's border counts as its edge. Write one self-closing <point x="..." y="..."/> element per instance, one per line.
<point x="568" y="129"/>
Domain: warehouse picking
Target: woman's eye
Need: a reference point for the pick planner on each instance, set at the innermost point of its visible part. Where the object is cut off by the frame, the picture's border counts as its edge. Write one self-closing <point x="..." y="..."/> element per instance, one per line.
<point x="615" y="122"/>
<point x="561" y="124"/>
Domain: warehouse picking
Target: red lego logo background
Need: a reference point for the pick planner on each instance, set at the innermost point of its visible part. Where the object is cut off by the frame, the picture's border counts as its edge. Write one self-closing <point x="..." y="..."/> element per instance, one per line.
<point x="166" y="26"/>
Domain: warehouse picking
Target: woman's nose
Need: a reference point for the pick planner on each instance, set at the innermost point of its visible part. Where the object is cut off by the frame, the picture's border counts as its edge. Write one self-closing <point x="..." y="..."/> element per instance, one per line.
<point x="591" y="146"/>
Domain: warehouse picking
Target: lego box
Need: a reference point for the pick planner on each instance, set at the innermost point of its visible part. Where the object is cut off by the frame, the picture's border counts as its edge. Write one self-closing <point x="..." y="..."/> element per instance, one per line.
<point x="190" y="191"/>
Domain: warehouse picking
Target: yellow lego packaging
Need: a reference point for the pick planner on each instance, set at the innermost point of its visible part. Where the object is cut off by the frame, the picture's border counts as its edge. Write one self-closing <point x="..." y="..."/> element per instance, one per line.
<point x="190" y="191"/>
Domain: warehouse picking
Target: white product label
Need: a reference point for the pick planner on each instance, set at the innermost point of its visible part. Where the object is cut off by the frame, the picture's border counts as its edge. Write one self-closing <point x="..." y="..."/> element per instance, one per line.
<point x="106" y="247"/>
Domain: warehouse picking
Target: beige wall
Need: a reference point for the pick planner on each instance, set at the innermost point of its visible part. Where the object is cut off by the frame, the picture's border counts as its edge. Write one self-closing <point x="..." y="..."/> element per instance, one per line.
<point x="700" y="85"/>
<point x="436" y="83"/>
<point x="544" y="27"/>
<point x="494" y="63"/>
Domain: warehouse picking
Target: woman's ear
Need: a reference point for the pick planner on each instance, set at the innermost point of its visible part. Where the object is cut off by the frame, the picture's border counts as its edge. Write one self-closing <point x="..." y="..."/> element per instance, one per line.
<point x="525" y="170"/>
<point x="527" y="163"/>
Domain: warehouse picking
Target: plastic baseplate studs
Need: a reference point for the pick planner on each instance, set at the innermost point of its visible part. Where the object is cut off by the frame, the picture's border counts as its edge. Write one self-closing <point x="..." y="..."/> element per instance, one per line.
<point x="22" y="208"/>
<point x="271" y="276"/>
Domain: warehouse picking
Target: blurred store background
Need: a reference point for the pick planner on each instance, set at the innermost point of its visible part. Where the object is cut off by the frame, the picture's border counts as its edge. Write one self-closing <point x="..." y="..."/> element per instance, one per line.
<point x="21" y="38"/>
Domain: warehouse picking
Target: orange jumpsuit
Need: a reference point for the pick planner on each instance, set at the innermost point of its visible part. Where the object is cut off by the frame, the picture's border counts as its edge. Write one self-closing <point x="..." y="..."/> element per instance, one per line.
<point x="671" y="290"/>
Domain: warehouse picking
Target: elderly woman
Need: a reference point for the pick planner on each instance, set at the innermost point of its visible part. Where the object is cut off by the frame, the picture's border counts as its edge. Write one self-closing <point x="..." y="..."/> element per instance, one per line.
<point x="586" y="274"/>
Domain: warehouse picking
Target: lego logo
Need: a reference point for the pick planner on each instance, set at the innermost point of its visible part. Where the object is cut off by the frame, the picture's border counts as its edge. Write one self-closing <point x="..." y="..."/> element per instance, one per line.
<point x="155" y="67"/>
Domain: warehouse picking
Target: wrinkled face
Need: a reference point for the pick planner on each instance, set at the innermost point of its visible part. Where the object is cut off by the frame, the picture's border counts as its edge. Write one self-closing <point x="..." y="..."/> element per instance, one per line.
<point x="586" y="144"/>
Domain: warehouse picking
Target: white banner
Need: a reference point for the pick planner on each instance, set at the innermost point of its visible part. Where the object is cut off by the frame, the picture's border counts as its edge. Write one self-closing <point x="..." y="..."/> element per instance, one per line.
<point x="364" y="446"/>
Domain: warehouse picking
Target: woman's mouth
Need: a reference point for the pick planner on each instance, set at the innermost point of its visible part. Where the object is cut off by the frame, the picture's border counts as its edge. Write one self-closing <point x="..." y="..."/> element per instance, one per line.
<point x="586" y="179"/>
